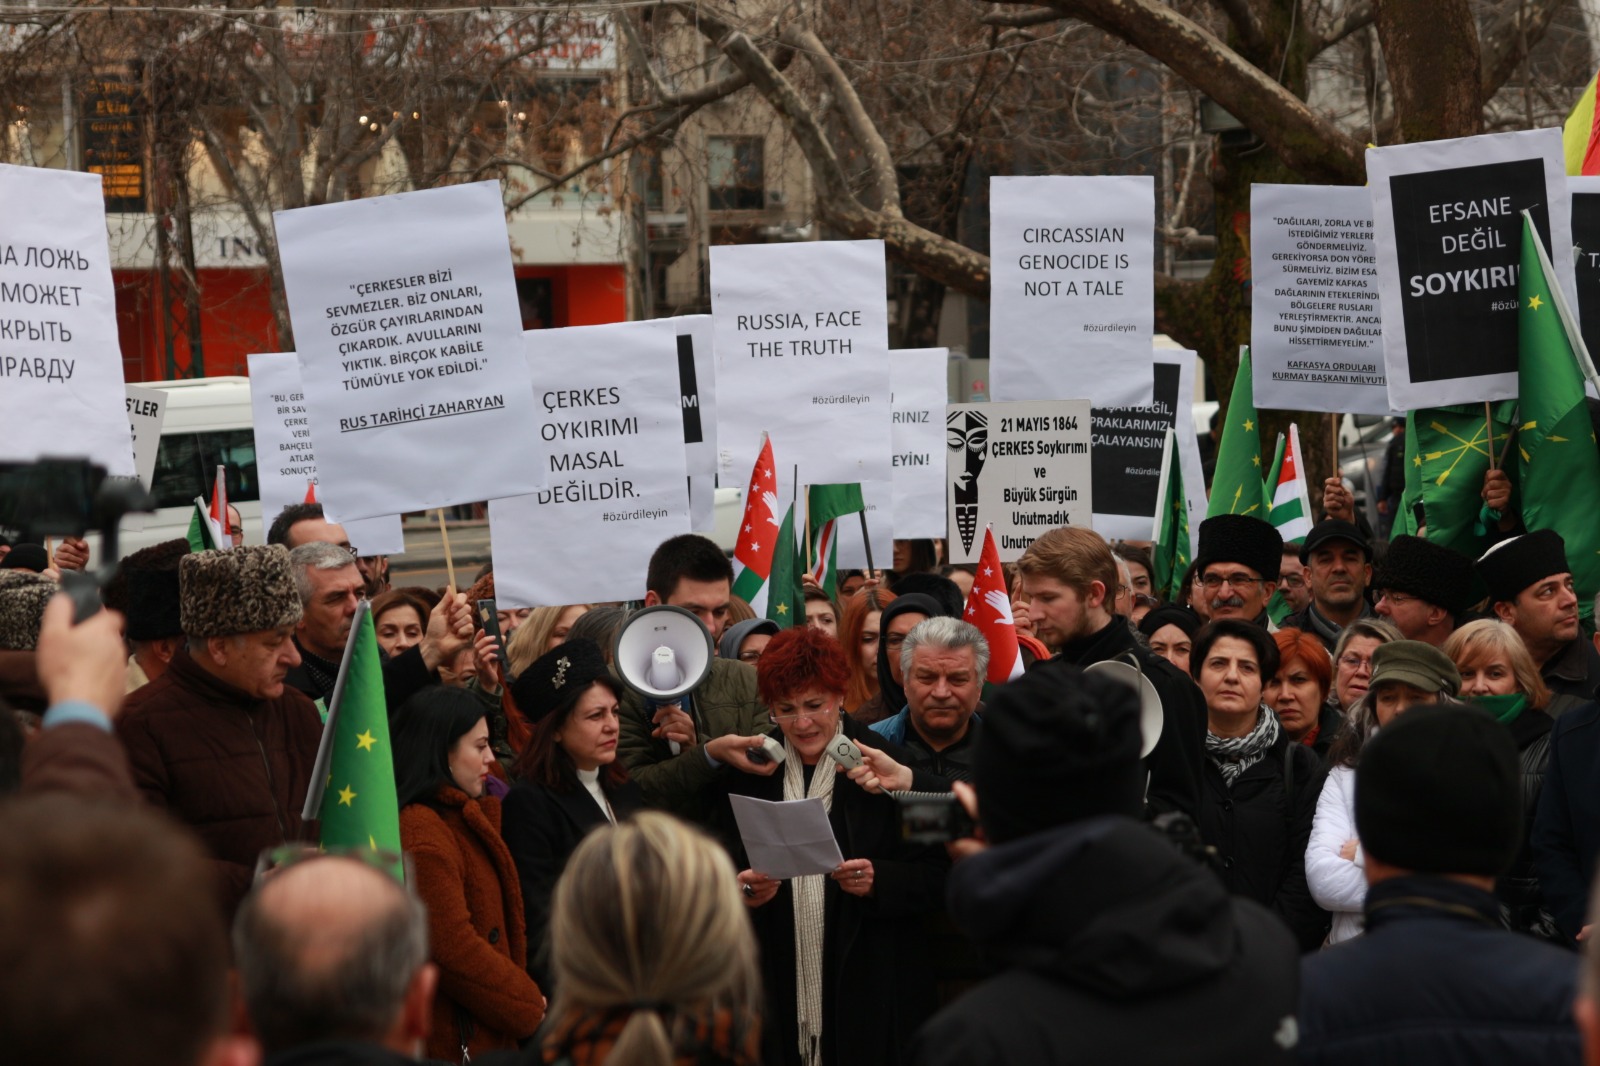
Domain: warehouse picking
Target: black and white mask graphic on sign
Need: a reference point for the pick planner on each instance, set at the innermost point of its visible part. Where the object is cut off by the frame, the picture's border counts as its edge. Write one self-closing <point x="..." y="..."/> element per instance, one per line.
<point x="1022" y="467"/>
<point x="610" y="407"/>
<point x="1316" y="335"/>
<point x="1448" y="221"/>
<point x="1128" y="442"/>
<point x="1073" y="295"/>
<point x="409" y="337"/>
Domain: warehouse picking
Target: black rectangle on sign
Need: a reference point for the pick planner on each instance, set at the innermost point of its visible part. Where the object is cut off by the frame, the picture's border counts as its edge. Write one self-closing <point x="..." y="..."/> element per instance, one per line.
<point x="690" y="388"/>
<point x="1586" y="239"/>
<point x="1125" y="454"/>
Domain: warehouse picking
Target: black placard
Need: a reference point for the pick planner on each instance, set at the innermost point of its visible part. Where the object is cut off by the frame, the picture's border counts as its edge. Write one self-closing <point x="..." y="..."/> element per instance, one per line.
<point x="1586" y="239"/>
<point x="1126" y="453"/>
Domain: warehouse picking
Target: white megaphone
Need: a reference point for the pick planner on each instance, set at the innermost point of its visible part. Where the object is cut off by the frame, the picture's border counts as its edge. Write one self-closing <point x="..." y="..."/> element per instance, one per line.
<point x="663" y="653"/>
<point x="1151" y="718"/>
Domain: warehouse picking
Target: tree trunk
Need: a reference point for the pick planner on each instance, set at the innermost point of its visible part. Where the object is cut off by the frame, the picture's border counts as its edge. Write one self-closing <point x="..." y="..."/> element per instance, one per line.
<point x="1430" y="49"/>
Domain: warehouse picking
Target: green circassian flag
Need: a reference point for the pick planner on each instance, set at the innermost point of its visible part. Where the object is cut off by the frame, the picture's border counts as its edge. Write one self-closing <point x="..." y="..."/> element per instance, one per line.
<point x="1560" y="467"/>
<point x="202" y="534"/>
<point x="785" y="602"/>
<point x="359" y="808"/>
<point x="826" y="504"/>
<point x="1171" y="544"/>
<point x="1237" y="487"/>
<point x="1447" y="453"/>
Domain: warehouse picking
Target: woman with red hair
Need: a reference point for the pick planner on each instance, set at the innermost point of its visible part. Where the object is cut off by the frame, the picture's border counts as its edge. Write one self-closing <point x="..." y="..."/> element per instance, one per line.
<point x="858" y="635"/>
<point x="860" y="929"/>
<point x="1298" y="693"/>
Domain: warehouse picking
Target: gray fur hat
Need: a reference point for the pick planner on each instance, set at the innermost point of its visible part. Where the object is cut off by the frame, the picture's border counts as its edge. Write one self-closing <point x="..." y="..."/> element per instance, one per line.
<point x="23" y="595"/>
<point x="245" y="590"/>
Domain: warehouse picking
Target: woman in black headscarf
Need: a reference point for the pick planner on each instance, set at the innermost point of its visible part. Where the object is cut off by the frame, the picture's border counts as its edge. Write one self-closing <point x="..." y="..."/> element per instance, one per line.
<point x="898" y="619"/>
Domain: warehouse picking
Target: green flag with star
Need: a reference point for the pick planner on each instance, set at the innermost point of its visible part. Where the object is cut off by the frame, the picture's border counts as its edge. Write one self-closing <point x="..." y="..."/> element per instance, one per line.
<point x="1237" y="486"/>
<point x="785" y="602"/>
<point x="1555" y="440"/>
<point x="1169" y="553"/>
<point x="359" y="808"/>
<point x="1447" y="452"/>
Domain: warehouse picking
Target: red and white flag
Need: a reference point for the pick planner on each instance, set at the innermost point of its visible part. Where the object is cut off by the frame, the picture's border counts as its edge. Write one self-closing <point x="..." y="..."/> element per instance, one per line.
<point x="989" y="608"/>
<point x="219" y="509"/>
<point x="311" y="492"/>
<point x="758" y="532"/>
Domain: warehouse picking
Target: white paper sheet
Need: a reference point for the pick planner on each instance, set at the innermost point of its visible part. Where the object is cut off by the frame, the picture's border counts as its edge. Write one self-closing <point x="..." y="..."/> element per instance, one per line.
<point x="788" y="839"/>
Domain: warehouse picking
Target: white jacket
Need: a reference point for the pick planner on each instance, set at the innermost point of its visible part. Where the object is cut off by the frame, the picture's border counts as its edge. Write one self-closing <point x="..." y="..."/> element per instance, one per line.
<point x="1337" y="884"/>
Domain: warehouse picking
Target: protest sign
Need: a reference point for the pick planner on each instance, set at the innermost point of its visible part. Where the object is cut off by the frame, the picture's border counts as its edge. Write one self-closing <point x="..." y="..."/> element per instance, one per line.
<point x="920" y="378"/>
<point x="147" y="410"/>
<point x="61" y="384"/>
<point x="286" y="453"/>
<point x="802" y="339"/>
<point x="697" y="378"/>
<point x="1586" y="248"/>
<point x="702" y="503"/>
<point x="1127" y="448"/>
<point x="1447" y="218"/>
<point x="1316" y="338"/>
<point x="410" y="345"/>
<point x="879" y="498"/>
<point x="1073" y="295"/>
<point x="1022" y="467"/>
<point x="610" y="406"/>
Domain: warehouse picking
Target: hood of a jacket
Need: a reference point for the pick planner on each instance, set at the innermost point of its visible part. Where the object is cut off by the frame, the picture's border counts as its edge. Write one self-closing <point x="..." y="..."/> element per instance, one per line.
<point x="894" y="696"/>
<point x="1106" y="903"/>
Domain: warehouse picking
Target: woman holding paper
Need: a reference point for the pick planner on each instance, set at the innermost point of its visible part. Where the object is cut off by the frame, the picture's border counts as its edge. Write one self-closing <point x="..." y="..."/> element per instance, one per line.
<point x="858" y="929"/>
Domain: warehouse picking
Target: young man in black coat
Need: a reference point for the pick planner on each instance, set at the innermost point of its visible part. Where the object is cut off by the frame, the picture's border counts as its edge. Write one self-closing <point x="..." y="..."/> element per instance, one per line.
<point x="1436" y="979"/>
<point x="1113" y="945"/>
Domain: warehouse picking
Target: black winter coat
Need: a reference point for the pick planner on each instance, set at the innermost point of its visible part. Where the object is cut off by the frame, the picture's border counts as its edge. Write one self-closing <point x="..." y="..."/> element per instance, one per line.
<point x="542" y="828"/>
<point x="1436" y="980"/>
<point x="1113" y="947"/>
<point x="1566" y="827"/>
<point x="1176" y="763"/>
<point x="878" y="983"/>
<point x="1522" y="904"/>
<point x="1260" y="834"/>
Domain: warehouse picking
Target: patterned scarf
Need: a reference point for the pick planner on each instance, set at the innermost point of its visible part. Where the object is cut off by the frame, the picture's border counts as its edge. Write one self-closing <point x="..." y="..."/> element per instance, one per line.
<point x="807" y="895"/>
<point x="1234" y="755"/>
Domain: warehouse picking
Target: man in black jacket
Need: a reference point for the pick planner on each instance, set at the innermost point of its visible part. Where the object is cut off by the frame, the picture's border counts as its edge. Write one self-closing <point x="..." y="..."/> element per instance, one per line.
<point x="1071" y="576"/>
<point x="1112" y="945"/>
<point x="1436" y="979"/>
<point x="1530" y="587"/>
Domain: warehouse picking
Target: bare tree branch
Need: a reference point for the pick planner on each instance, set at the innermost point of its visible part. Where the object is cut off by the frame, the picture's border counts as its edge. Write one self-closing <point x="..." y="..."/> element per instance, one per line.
<point x="1358" y="16"/>
<point x="1508" y="36"/>
<point x="885" y="182"/>
<point x="1246" y="23"/>
<point x="1023" y="19"/>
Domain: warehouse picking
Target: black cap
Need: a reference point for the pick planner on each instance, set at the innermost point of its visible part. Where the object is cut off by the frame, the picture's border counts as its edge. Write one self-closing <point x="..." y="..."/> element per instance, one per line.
<point x="1238" y="538"/>
<point x="26" y="557"/>
<point x="1431" y="572"/>
<point x="1438" y="791"/>
<point x="1170" y="614"/>
<point x="1334" y="529"/>
<point x="556" y="679"/>
<point x="1058" y="745"/>
<point x="1513" y="565"/>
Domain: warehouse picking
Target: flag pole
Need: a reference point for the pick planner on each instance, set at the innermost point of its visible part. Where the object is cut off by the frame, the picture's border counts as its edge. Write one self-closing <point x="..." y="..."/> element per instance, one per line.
<point x="1333" y="438"/>
<point x="866" y="540"/>
<point x="449" y="560"/>
<point x="808" y="527"/>
<point x="1488" y="425"/>
<point x="319" y="769"/>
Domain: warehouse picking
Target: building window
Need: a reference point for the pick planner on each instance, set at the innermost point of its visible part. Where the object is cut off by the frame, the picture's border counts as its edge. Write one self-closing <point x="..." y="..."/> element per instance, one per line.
<point x="736" y="173"/>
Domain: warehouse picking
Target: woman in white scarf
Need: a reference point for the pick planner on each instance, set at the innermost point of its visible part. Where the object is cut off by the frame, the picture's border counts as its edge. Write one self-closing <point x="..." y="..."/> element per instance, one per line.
<point x="846" y="976"/>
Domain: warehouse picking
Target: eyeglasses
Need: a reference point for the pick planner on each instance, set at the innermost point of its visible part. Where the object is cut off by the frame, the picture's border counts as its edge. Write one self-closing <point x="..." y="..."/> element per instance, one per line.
<point x="823" y="713"/>
<point x="1352" y="662"/>
<point x="1212" y="582"/>
<point x="1399" y="599"/>
<point x="1293" y="581"/>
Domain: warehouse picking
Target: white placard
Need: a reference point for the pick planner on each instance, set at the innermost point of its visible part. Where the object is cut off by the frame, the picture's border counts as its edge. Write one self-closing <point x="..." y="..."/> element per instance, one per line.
<point x="1316" y="335"/>
<point x="608" y="400"/>
<point x="147" y="410"/>
<point x="920" y="378"/>
<point x="61" y="383"/>
<point x="1128" y="442"/>
<point x="286" y="456"/>
<point x="1448" y="221"/>
<point x="802" y="342"/>
<point x="410" y="345"/>
<point x="697" y="377"/>
<point x="1072" y="311"/>
<point x="1022" y="467"/>
<point x="877" y="495"/>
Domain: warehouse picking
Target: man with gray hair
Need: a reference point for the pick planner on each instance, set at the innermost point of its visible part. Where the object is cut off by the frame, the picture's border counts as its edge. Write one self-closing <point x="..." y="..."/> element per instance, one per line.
<point x="332" y="956"/>
<point x="330" y="586"/>
<point x="944" y="661"/>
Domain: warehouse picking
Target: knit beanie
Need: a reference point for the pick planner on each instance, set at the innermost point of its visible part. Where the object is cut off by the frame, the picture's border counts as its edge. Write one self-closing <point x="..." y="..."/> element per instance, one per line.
<point x="1513" y="565"/>
<point x="1058" y="745"/>
<point x="1438" y="791"/>
<point x="1431" y="572"/>
<point x="1237" y="538"/>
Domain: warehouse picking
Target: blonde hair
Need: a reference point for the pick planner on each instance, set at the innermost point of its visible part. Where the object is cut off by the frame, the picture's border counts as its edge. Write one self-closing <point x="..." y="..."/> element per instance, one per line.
<point x="1490" y="637"/>
<point x="648" y="917"/>
<point x="1076" y="557"/>
<point x="527" y="641"/>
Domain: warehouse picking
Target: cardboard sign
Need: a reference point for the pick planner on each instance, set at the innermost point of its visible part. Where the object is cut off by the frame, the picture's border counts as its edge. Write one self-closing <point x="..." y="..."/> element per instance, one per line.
<point x="410" y="345"/>
<point x="1022" y="467"/>
<point x="1073" y="296"/>
<point x="1448" y="221"/>
<point x="609" y="405"/>
<point x="61" y="383"/>
<point x="1316" y="335"/>
<point x="1127" y="448"/>
<point x="802" y="341"/>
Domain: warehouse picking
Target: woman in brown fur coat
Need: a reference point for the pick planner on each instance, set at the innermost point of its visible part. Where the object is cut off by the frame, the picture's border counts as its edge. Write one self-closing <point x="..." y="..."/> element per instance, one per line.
<point x="450" y="828"/>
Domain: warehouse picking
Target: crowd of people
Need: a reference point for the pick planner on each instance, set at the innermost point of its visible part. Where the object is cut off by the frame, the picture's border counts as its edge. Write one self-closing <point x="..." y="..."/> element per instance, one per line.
<point x="1364" y="832"/>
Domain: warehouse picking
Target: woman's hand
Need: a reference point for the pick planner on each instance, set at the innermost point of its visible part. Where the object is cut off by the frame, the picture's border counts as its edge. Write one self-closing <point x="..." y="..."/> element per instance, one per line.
<point x="855" y="876"/>
<point x="486" y="651"/>
<point x="879" y="773"/>
<point x="1347" y="850"/>
<point x="757" y="889"/>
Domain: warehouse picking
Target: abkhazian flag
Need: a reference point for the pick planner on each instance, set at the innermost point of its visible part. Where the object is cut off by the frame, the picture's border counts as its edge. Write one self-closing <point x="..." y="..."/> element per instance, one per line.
<point x="1291" y="499"/>
<point x="1171" y="546"/>
<point x="358" y="806"/>
<point x="758" y="533"/>
<point x="989" y="608"/>
<point x="1236" y="487"/>
<point x="785" y="603"/>
<point x="203" y="534"/>
<point x="1556" y="442"/>
<point x="826" y="504"/>
<point x="1580" y="137"/>
<point x="219" y="508"/>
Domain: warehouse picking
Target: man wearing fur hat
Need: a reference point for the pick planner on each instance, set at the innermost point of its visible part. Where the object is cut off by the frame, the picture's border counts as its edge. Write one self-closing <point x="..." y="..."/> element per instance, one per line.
<point x="218" y="739"/>
<point x="145" y="590"/>
<point x="1423" y="588"/>
<point x="1530" y="586"/>
<point x="1237" y="567"/>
